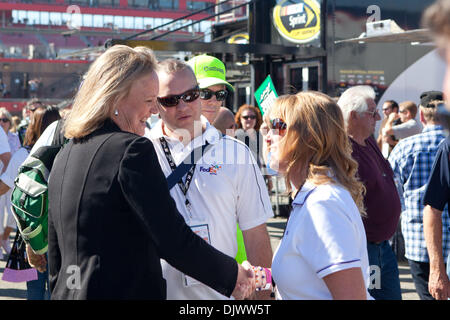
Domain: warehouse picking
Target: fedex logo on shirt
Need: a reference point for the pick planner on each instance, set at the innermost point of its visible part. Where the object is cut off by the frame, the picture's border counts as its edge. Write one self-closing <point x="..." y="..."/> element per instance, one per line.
<point x="212" y="170"/>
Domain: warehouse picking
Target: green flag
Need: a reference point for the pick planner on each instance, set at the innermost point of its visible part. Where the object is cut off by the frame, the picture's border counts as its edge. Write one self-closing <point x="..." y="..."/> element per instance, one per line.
<point x="265" y="95"/>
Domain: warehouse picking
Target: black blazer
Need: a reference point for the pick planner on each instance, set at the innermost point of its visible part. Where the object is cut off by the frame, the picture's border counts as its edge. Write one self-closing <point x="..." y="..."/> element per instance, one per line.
<point x="111" y="219"/>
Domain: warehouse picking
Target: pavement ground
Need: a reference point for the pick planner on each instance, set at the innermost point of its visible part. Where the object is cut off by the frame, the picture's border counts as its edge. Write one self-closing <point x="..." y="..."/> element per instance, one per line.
<point x="275" y="226"/>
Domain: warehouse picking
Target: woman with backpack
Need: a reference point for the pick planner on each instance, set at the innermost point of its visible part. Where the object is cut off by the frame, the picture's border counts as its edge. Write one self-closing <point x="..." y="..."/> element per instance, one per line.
<point x="111" y="217"/>
<point x="42" y="117"/>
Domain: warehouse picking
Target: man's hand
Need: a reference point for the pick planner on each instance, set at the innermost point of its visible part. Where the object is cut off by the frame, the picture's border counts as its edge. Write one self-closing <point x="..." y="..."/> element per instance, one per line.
<point x="245" y="283"/>
<point x="438" y="282"/>
<point x="439" y="286"/>
<point x="37" y="261"/>
<point x="392" y="117"/>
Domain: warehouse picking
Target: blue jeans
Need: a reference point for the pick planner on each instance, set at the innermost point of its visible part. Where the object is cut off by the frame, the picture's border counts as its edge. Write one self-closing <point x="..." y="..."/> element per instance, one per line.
<point x="382" y="256"/>
<point x="448" y="266"/>
<point x="420" y="272"/>
<point x="39" y="289"/>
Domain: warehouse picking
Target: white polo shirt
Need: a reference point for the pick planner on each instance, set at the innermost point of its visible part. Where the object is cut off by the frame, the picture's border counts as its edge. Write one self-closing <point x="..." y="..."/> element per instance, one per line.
<point x="407" y="129"/>
<point x="8" y="178"/>
<point x="324" y="235"/>
<point x="4" y="145"/>
<point x="227" y="188"/>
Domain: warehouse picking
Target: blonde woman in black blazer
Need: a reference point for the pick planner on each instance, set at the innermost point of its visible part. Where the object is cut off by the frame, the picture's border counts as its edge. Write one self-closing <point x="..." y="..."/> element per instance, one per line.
<point x="111" y="217"/>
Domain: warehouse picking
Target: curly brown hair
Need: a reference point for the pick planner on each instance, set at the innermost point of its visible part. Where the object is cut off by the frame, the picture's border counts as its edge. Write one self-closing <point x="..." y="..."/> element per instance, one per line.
<point x="316" y="138"/>
<point x="244" y="107"/>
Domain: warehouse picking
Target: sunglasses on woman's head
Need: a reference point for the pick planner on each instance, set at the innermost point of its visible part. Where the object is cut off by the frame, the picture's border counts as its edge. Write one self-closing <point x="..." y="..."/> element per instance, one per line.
<point x="278" y="124"/>
<point x="206" y="94"/>
<point x="249" y="117"/>
<point x="174" y="99"/>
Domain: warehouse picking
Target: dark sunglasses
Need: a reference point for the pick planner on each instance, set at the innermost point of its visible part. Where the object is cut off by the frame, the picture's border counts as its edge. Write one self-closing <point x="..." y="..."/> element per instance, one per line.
<point x="206" y="94"/>
<point x="173" y="100"/>
<point x="248" y="117"/>
<point x="278" y="124"/>
<point x="5" y="120"/>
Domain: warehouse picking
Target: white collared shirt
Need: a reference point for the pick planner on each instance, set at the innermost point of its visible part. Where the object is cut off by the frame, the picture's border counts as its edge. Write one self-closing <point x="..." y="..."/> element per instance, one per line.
<point x="227" y="188"/>
<point x="4" y="145"/>
<point x="324" y="235"/>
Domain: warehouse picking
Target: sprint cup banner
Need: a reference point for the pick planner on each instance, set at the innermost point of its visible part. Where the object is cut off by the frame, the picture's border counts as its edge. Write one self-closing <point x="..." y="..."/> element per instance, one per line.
<point x="297" y="21"/>
<point x="266" y="95"/>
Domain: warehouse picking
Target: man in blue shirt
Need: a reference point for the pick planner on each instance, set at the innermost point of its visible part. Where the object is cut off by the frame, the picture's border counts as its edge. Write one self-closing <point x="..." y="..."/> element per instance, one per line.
<point x="411" y="161"/>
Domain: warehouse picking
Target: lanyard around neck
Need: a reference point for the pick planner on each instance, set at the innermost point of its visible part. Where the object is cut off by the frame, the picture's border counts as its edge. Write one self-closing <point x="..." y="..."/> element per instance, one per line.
<point x="184" y="186"/>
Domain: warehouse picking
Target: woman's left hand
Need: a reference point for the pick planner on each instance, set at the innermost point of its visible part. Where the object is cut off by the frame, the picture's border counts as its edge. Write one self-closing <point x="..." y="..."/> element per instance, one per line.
<point x="37" y="261"/>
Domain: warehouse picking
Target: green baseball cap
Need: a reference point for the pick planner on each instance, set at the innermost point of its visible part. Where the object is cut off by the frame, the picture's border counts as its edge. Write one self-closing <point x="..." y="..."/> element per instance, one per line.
<point x="209" y="71"/>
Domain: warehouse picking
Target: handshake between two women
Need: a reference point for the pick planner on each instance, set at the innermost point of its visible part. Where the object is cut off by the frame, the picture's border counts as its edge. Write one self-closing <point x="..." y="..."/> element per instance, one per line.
<point x="251" y="279"/>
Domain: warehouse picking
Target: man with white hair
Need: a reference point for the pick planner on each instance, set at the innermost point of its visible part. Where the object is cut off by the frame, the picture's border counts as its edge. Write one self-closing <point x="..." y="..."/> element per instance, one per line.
<point x="381" y="199"/>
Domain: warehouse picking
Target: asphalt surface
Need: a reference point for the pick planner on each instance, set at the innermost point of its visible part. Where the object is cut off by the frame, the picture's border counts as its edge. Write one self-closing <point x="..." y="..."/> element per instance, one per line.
<point x="275" y="226"/>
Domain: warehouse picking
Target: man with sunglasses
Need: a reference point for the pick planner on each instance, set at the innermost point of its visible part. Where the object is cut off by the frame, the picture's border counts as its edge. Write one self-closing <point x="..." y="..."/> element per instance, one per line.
<point x="409" y="125"/>
<point x="387" y="143"/>
<point x="222" y="188"/>
<point x="210" y="73"/>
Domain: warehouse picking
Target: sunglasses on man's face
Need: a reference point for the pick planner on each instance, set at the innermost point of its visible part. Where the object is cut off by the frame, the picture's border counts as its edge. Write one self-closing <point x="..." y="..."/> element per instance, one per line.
<point x="206" y="94"/>
<point x="5" y="120"/>
<point x="278" y="124"/>
<point x="174" y="99"/>
<point x="252" y="117"/>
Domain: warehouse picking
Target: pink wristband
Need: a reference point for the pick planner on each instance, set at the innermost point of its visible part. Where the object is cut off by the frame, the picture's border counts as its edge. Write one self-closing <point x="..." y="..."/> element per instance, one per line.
<point x="268" y="278"/>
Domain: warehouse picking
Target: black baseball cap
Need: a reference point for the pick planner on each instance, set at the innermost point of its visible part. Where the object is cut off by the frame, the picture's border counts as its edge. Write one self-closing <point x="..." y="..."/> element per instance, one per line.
<point x="428" y="96"/>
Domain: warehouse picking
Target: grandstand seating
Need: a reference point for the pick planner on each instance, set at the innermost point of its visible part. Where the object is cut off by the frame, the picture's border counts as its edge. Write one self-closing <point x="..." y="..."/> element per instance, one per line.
<point x="60" y="41"/>
<point x="96" y="41"/>
<point x="19" y="39"/>
<point x="60" y="79"/>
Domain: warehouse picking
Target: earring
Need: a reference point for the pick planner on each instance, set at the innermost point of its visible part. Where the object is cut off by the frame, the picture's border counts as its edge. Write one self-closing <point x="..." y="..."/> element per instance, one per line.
<point x="116" y="112"/>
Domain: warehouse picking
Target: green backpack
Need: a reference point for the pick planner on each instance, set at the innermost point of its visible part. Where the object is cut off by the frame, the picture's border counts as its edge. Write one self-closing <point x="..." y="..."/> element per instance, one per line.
<point x="29" y="199"/>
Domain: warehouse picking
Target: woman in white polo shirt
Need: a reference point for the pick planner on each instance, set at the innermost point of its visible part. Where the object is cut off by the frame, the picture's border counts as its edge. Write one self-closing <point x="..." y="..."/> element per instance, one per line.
<point x="323" y="252"/>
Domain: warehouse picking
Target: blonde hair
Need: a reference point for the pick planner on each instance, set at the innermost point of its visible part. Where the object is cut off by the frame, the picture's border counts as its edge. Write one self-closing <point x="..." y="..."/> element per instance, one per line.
<point x="410" y="106"/>
<point x="316" y="137"/>
<point x="6" y="113"/>
<point x="430" y="112"/>
<point x="108" y="80"/>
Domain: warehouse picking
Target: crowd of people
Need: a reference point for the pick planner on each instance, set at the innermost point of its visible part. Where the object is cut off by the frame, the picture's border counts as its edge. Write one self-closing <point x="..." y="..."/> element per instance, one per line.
<point x="185" y="202"/>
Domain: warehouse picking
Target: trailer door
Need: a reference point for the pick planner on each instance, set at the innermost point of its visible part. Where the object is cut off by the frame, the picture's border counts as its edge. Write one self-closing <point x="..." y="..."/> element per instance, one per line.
<point x="303" y="76"/>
